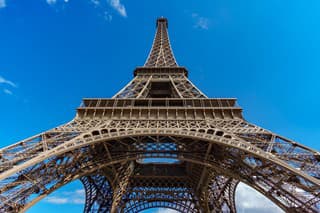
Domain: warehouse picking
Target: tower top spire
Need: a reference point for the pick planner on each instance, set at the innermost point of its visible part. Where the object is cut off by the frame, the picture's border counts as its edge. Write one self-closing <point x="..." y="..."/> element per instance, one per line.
<point x="161" y="54"/>
<point x="162" y="20"/>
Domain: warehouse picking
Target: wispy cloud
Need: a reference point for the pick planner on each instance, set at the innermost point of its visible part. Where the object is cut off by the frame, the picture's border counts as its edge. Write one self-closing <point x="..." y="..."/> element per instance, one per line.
<point x="8" y="92"/>
<point x="95" y="2"/>
<point x="116" y="4"/>
<point x="51" y="2"/>
<point x="6" y="81"/>
<point x="166" y="211"/>
<point x="102" y="6"/>
<point x="68" y="197"/>
<point x="250" y="201"/>
<point x="2" y="4"/>
<point x="200" y="22"/>
<point x="56" y="200"/>
<point x="107" y="16"/>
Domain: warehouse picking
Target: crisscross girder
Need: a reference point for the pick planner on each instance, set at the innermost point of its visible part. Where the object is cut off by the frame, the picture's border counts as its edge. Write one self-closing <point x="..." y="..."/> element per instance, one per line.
<point x="161" y="54"/>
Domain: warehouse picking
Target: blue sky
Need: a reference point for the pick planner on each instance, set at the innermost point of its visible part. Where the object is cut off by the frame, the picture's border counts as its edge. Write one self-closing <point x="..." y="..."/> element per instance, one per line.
<point x="55" y="52"/>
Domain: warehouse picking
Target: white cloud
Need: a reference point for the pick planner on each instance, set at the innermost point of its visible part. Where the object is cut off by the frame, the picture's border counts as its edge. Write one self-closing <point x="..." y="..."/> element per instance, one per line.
<point x="103" y="12"/>
<point x="200" y="22"/>
<point x="7" y="91"/>
<point x="51" y="2"/>
<point x="249" y="200"/>
<point x="95" y="2"/>
<point x="2" y="4"/>
<point x="116" y="4"/>
<point x="166" y="211"/>
<point x="107" y="16"/>
<point x="68" y="197"/>
<point x="5" y="81"/>
<point x="103" y="6"/>
<point x="56" y="200"/>
<point x="54" y="2"/>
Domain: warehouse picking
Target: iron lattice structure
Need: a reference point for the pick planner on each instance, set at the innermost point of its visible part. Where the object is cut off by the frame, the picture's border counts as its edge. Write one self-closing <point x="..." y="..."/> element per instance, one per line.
<point x="205" y="146"/>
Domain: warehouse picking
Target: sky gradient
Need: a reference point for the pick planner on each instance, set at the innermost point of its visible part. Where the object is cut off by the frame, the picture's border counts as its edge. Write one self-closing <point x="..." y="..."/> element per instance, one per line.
<point x="55" y="52"/>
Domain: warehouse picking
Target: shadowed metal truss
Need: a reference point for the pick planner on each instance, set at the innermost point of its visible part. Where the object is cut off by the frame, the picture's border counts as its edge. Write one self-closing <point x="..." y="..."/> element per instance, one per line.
<point x="160" y="142"/>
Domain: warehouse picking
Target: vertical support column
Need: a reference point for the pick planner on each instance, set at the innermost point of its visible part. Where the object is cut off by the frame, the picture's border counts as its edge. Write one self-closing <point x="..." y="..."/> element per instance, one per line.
<point x="98" y="193"/>
<point x="202" y="186"/>
<point x="126" y="172"/>
<point x="218" y="194"/>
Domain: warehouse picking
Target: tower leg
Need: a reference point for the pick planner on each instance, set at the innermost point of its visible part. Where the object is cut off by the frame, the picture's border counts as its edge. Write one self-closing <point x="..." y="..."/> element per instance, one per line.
<point x="126" y="172"/>
<point x="222" y="194"/>
<point x="98" y="193"/>
<point x="219" y="194"/>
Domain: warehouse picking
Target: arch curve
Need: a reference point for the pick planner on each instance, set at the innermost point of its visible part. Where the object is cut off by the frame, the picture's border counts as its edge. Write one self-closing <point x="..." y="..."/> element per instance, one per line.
<point x="253" y="160"/>
<point x="142" y="206"/>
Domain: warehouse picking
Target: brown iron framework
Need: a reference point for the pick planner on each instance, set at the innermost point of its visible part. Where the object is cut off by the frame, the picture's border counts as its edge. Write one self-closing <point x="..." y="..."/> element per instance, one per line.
<point x="160" y="142"/>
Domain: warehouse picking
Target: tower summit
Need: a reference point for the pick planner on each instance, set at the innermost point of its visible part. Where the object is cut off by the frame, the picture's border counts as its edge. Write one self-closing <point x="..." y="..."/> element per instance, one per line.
<point x="160" y="142"/>
<point x="160" y="77"/>
<point x="161" y="54"/>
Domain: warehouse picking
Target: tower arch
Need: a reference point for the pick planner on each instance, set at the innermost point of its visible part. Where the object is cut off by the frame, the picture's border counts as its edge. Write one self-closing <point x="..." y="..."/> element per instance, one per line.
<point x="246" y="164"/>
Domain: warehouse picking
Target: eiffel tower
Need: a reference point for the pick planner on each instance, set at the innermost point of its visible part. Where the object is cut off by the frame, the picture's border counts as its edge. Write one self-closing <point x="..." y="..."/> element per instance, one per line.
<point x="160" y="142"/>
